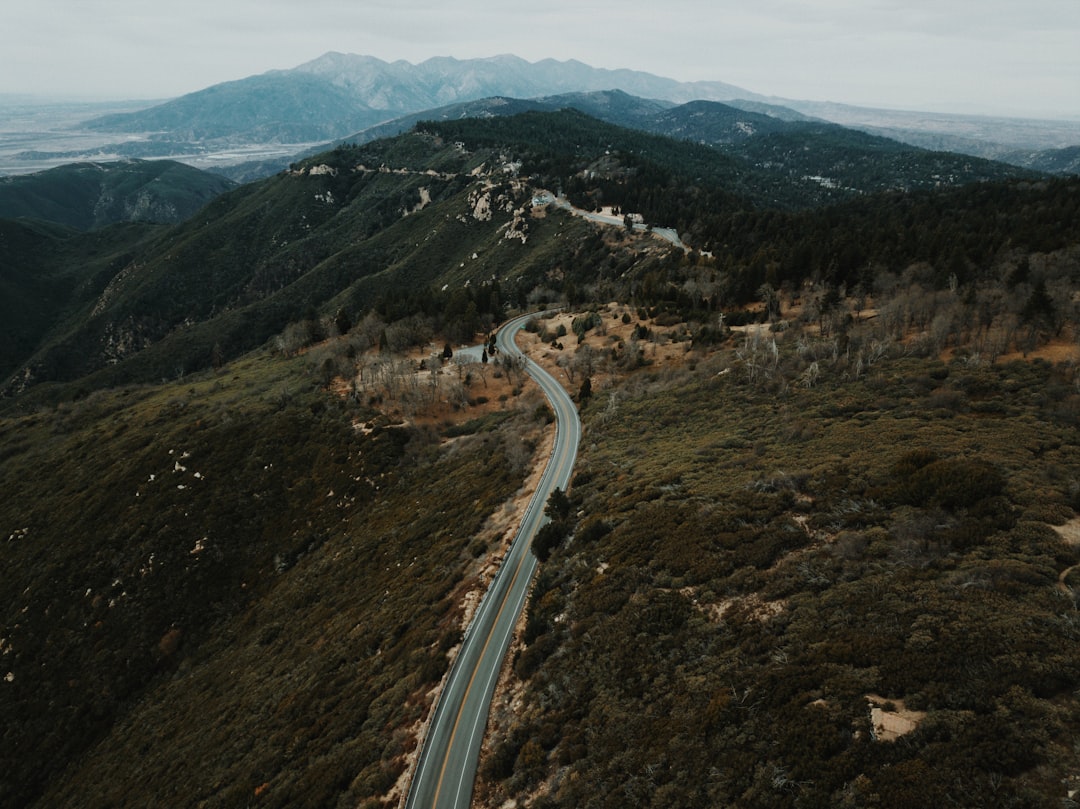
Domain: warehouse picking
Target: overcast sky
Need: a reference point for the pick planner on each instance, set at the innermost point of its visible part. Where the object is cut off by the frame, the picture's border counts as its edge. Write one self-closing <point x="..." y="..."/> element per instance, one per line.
<point x="986" y="56"/>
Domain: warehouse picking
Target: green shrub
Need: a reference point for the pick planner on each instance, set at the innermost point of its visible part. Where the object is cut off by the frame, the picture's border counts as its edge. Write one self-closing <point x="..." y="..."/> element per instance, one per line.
<point x="953" y="483"/>
<point x="548" y="538"/>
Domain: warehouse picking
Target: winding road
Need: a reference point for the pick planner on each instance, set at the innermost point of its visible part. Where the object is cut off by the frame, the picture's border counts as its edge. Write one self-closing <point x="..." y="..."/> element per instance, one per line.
<point x="667" y="234"/>
<point x="447" y="767"/>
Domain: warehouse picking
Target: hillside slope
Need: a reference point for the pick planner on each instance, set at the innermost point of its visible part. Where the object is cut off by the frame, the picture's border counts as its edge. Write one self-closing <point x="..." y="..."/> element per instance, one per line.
<point x="800" y="576"/>
<point x="450" y="204"/>
<point x="227" y="582"/>
<point x="841" y="162"/>
<point x="278" y="106"/>
<point x="336" y="234"/>
<point x="49" y="274"/>
<point x="92" y="195"/>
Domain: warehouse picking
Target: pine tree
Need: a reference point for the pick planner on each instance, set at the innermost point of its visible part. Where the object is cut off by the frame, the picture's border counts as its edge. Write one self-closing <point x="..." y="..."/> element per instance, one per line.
<point x="586" y="390"/>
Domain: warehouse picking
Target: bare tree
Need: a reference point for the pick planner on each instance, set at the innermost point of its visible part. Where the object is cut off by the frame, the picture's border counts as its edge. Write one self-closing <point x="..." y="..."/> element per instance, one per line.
<point x="585" y="359"/>
<point x="568" y="366"/>
<point x="514" y="368"/>
<point x="759" y="355"/>
<point x="369" y="329"/>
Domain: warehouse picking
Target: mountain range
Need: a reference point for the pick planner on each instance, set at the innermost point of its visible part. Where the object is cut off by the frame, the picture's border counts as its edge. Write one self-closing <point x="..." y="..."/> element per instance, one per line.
<point x="340" y="226"/>
<point x="767" y="137"/>
<point x="338" y="96"/>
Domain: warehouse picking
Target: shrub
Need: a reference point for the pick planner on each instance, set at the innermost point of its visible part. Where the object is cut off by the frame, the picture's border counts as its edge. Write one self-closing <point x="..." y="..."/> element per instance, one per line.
<point x="548" y="538"/>
<point x="954" y="483"/>
<point x="581" y="325"/>
<point x="592" y="529"/>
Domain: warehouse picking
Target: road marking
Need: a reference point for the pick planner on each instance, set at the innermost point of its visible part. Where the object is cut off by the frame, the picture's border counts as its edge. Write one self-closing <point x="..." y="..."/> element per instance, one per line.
<point x="492" y="673"/>
<point x="554" y="474"/>
<point x="472" y="679"/>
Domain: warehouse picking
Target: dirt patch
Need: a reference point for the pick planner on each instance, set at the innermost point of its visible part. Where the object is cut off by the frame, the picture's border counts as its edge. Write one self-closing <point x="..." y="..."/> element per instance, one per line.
<point x="1054" y="352"/>
<point x="753" y="605"/>
<point x="1070" y="534"/>
<point x="1070" y="531"/>
<point x="665" y="346"/>
<point x="891" y="719"/>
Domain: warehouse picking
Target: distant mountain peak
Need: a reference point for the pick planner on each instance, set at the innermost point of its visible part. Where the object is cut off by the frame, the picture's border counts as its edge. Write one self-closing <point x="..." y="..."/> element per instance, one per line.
<point x="337" y="94"/>
<point x="508" y="75"/>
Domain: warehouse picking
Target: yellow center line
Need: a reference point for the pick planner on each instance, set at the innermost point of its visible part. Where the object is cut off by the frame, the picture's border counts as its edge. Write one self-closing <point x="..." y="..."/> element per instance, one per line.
<point x="472" y="679"/>
<point x="556" y="473"/>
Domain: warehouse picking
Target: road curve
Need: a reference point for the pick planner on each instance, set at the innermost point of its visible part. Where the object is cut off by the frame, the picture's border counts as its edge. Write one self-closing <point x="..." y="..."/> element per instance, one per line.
<point x="667" y="234"/>
<point x="447" y="767"/>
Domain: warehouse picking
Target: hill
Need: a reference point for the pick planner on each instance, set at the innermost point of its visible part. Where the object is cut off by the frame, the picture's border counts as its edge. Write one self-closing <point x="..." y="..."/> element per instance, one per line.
<point x="841" y="162"/>
<point x="612" y="106"/>
<point x="799" y="577"/>
<point x="348" y="228"/>
<point x="279" y="106"/>
<point x="239" y="552"/>
<point x="336" y="233"/>
<point x="702" y="121"/>
<point x="821" y="546"/>
<point x="92" y="195"/>
<point x="790" y="165"/>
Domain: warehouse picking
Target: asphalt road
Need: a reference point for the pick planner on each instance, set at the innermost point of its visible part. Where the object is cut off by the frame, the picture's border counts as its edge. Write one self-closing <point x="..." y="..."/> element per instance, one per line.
<point x="668" y="234"/>
<point x="447" y="768"/>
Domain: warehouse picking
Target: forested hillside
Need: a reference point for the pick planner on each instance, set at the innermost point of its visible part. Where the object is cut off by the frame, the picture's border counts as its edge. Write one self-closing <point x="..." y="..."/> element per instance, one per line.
<point x="49" y="272"/>
<point x="336" y="234"/>
<point x="343" y="230"/>
<point x="93" y="195"/>
<point x="786" y="165"/>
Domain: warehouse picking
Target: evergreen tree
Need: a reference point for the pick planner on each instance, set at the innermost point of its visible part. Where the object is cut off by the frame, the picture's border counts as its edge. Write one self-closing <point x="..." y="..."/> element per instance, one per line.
<point x="558" y="505"/>
<point x="586" y="390"/>
<point x="1039" y="309"/>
